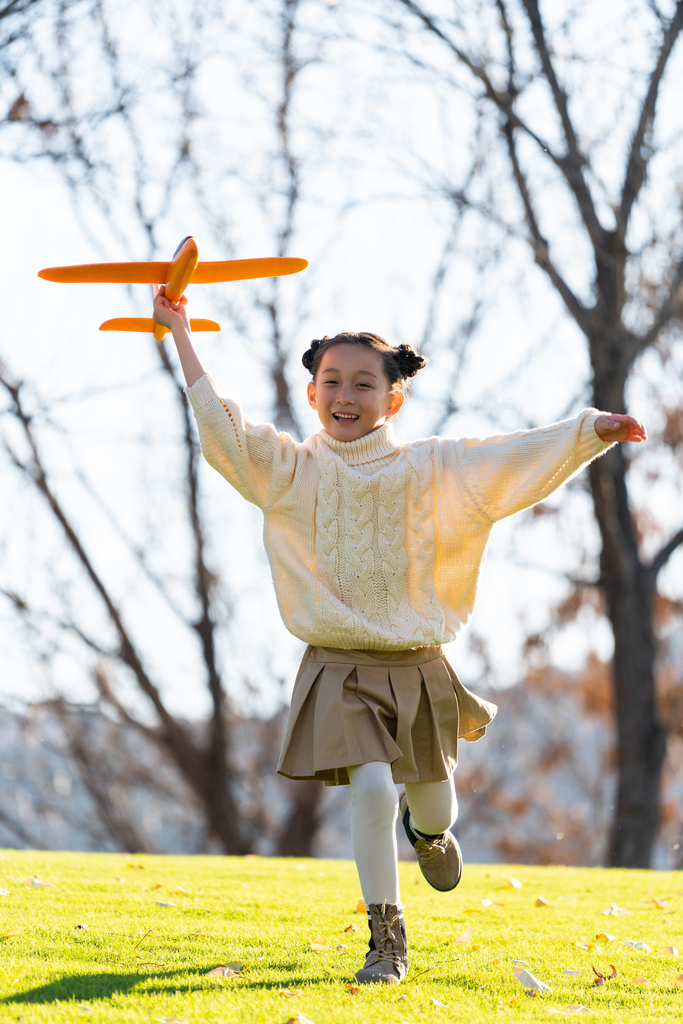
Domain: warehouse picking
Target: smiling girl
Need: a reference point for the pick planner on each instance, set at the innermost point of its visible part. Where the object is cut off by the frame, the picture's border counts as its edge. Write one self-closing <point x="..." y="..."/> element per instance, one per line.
<point x="375" y="548"/>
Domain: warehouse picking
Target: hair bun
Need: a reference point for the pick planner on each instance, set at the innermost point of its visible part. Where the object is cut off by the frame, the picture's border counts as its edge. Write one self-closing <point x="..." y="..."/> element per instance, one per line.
<point x="408" y="360"/>
<point x="308" y="358"/>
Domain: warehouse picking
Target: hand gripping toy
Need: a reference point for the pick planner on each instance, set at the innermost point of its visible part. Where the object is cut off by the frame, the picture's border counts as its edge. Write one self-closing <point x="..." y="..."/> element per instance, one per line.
<point x="183" y="269"/>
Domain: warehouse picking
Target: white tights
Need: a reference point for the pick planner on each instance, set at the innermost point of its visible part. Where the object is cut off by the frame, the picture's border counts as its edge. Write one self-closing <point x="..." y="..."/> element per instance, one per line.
<point x="374" y="808"/>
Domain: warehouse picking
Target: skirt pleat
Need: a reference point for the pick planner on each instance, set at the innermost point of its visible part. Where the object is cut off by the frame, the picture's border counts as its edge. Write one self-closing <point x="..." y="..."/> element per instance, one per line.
<point x="407" y="708"/>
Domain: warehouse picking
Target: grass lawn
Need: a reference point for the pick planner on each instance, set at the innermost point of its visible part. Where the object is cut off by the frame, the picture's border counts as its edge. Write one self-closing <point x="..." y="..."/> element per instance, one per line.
<point x="98" y="943"/>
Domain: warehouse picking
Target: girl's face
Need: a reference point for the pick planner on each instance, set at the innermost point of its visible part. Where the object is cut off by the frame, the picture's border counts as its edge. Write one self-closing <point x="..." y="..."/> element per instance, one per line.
<point x="351" y="392"/>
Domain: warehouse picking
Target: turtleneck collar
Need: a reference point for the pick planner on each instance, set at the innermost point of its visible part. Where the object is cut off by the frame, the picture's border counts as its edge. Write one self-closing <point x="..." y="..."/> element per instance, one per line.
<point x="375" y="445"/>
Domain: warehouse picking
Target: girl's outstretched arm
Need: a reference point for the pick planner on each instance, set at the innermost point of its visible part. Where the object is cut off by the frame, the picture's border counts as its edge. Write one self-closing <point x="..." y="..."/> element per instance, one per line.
<point x="177" y="320"/>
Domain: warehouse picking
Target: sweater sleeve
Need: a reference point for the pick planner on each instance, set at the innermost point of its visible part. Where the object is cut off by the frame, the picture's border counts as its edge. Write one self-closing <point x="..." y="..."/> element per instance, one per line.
<point x="257" y="460"/>
<point x="508" y="473"/>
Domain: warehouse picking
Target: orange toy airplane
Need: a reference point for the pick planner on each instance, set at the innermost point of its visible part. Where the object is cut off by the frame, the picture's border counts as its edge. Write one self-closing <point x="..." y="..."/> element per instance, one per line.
<point x="183" y="269"/>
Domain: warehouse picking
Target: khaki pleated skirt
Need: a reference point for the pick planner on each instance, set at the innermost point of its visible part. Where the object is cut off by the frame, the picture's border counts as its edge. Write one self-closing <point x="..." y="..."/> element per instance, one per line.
<point x="407" y="708"/>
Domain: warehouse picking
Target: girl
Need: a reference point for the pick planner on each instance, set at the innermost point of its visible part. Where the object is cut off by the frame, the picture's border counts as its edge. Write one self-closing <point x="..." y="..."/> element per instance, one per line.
<point x="375" y="549"/>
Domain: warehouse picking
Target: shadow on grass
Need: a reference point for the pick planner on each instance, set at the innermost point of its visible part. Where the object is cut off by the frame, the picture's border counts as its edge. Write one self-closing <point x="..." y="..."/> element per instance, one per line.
<point x="102" y="986"/>
<point x="105" y="985"/>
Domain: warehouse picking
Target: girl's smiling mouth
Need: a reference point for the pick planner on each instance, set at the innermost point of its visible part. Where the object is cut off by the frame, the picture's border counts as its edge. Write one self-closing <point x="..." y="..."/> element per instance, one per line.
<point x="349" y="416"/>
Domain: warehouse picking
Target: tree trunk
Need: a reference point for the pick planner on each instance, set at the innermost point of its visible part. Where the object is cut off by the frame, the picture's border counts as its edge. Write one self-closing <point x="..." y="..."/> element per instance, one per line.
<point x="628" y="588"/>
<point x="303" y="822"/>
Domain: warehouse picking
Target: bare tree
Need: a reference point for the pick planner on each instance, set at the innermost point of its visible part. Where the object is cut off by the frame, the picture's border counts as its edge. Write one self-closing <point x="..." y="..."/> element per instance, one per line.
<point x="70" y="136"/>
<point x="538" y="155"/>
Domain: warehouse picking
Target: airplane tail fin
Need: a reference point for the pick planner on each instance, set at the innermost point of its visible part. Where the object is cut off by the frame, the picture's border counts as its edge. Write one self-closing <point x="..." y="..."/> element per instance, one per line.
<point x="145" y="325"/>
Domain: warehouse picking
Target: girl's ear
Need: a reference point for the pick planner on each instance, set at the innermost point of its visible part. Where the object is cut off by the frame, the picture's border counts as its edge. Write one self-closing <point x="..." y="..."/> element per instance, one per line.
<point x="311" y="395"/>
<point x="395" y="402"/>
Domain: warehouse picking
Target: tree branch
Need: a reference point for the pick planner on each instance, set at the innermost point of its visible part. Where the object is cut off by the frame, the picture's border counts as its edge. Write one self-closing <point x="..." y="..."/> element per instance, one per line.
<point x="665" y="553"/>
<point x="540" y="245"/>
<point x="640" y="152"/>
<point x="575" y="161"/>
<point x="35" y="472"/>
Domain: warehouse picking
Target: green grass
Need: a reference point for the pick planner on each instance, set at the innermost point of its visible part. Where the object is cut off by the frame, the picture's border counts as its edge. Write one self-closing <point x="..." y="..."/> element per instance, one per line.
<point x="138" y="961"/>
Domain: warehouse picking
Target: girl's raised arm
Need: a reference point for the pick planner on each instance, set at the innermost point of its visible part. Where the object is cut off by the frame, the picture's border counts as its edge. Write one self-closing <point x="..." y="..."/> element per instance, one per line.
<point x="177" y="321"/>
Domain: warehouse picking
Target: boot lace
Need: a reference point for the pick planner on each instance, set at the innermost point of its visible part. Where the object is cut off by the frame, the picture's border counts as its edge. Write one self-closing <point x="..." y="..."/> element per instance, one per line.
<point x="427" y="849"/>
<point x="386" y="937"/>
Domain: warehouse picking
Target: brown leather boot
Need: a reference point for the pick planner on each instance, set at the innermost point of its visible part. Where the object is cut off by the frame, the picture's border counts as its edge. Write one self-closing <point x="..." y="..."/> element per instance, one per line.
<point x="387" y="961"/>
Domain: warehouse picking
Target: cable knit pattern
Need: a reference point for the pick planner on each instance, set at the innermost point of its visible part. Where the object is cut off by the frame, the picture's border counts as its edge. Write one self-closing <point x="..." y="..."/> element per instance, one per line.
<point x="376" y="545"/>
<point x="422" y="533"/>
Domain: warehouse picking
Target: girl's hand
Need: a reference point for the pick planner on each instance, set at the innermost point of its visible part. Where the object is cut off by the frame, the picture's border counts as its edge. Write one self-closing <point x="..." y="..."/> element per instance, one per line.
<point x="615" y="427"/>
<point x="166" y="313"/>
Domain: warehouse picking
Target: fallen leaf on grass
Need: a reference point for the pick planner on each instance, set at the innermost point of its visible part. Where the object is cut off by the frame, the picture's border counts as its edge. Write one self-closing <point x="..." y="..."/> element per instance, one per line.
<point x="530" y="982"/>
<point x="678" y="983"/>
<point x="289" y="992"/>
<point x="541" y="902"/>
<point x="512" y="1002"/>
<point x="222" y="972"/>
<point x="82" y="927"/>
<point x="340" y="946"/>
<point x="121" y="880"/>
<point x="670" y="950"/>
<point x="659" y="904"/>
<point x="353" y="989"/>
<point x="438" y="1003"/>
<point x="169" y="1020"/>
<point x="179" y="888"/>
<point x="476" y="948"/>
<point x="487" y="903"/>
<point x="300" y="1018"/>
<point x="319" y="944"/>
<point x="601" y="978"/>
<point x="640" y="980"/>
<point x="10" y="935"/>
<point x="83" y="1008"/>
<point x="166" y="903"/>
<point x="4" y="892"/>
<point x="643" y="946"/>
<point x="234" y="965"/>
<point x="36" y="883"/>
<point x="463" y="940"/>
<point x="351" y="928"/>
<point x="573" y="974"/>
<point x="510" y="883"/>
<point x="614" y="911"/>
<point x="361" y="908"/>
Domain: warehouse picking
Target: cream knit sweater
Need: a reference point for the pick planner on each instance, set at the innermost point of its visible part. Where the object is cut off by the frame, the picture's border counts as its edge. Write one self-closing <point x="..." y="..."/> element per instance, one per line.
<point x="377" y="545"/>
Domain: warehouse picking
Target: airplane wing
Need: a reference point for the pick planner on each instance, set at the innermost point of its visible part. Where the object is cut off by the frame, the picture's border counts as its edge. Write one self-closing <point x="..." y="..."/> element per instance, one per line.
<point x="157" y="272"/>
<point x="143" y="325"/>
<point x="244" y="270"/>
<point x="111" y="273"/>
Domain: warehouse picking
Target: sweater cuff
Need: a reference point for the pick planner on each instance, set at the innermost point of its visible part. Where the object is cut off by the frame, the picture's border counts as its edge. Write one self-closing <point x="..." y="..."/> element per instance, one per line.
<point x="202" y="394"/>
<point x="590" y="444"/>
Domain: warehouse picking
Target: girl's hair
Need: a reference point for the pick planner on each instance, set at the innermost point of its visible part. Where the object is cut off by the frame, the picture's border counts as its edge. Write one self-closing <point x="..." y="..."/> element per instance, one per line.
<point x="399" y="363"/>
